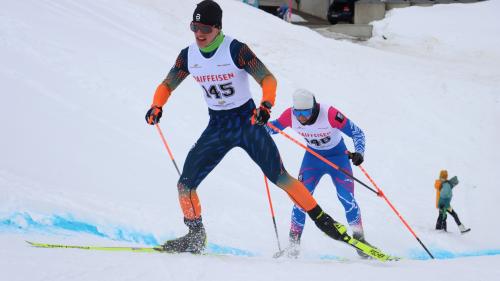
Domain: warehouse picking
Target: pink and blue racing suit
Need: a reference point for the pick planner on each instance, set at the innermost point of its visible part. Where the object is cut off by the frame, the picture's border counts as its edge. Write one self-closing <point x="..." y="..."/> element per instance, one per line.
<point x="324" y="137"/>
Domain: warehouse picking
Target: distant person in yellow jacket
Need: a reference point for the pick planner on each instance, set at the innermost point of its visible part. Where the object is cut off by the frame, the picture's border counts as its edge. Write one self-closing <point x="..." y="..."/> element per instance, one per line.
<point x="444" y="194"/>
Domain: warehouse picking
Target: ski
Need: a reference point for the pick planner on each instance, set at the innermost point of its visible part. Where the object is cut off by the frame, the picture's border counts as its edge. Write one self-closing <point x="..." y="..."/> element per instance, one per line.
<point x="157" y="249"/>
<point x="371" y="251"/>
<point x="281" y="253"/>
<point x="365" y="248"/>
<point x="215" y="250"/>
<point x="99" y="248"/>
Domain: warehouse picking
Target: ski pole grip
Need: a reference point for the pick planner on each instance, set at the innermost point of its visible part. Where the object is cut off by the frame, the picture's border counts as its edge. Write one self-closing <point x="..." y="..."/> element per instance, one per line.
<point x="349" y="154"/>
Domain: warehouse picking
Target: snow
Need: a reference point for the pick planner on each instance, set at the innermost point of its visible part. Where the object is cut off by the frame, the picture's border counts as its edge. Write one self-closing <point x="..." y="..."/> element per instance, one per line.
<point x="297" y="18"/>
<point x="80" y="166"/>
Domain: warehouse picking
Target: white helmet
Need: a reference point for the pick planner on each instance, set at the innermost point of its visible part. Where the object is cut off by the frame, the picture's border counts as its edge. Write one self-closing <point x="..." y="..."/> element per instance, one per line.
<point x="303" y="99"/>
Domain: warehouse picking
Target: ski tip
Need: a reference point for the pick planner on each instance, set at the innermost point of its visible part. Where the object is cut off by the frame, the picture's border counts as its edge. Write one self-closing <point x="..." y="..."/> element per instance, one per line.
<point x="35" y="244"/>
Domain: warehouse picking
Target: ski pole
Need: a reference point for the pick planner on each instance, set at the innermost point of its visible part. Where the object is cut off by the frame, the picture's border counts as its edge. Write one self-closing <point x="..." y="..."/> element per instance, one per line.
<point x="320" y="157"/>
<point x="272" y="212"/>
<point x="168" y="148"/>
<point x="381" y="194"/>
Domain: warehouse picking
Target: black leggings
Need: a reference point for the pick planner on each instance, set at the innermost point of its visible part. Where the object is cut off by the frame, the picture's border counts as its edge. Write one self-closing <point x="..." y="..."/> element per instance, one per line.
<point x="441" y="221"/>
<point x="228" y="129"/>
<point x="454" y="215"/>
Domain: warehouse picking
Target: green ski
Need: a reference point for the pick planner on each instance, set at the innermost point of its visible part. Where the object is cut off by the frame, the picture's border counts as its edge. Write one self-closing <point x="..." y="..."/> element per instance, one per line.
<point x="99" y="248"/>
<point x="364" y="247"/>
<point x="157" y="249"/>
<point x="369" y="250"/>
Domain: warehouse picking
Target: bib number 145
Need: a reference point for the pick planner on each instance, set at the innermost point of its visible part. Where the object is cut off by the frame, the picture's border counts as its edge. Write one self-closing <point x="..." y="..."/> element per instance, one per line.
<point x="219" y="90"/>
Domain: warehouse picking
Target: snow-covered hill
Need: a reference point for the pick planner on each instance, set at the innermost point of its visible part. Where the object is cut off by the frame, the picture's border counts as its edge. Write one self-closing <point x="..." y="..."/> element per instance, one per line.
<point x="79" y="165"/>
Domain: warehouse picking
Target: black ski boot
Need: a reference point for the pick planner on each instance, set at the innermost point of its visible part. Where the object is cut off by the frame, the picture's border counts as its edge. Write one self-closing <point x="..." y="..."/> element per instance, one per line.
<point x="328" y="225"/>
<point x="193" y="242"/>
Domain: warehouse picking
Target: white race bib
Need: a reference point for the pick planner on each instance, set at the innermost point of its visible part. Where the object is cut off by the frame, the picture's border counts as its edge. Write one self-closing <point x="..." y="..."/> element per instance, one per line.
<point x="224" y="85"/>
<point x="320" y="135"/>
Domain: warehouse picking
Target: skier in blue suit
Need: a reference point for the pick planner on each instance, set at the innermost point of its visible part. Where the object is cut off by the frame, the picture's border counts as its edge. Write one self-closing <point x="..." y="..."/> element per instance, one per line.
<point x="321" y="126"/>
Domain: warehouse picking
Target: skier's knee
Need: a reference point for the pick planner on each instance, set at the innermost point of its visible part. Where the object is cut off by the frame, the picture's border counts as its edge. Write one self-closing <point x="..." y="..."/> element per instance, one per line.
<point x="283" y="180"/>
<point x="182" y="188"/>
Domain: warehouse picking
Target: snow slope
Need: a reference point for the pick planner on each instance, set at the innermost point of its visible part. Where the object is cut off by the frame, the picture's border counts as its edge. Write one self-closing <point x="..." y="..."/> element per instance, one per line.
<point x="79" y="165"/>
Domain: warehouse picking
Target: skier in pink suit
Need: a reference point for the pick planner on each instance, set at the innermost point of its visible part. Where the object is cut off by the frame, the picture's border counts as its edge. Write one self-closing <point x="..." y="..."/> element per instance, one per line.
<point x="321" y="126"/>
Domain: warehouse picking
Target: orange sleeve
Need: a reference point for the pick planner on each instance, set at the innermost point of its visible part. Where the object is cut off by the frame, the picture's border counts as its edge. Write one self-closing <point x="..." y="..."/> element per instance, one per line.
<point x="437" y="186"/>
<point x="161" y="95"/>
<point x="269" y="85"/>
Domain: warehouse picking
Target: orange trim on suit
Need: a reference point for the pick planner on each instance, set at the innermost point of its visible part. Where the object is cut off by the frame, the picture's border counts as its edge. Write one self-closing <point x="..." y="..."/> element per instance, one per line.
<point x="190" y="204"/>
<point x="269" y="85"/>
<point x="299" y="194"/>
<point x="161" y="95"/>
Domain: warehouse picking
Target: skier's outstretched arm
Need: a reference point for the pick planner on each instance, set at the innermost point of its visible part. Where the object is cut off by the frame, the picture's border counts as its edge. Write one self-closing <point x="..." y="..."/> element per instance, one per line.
<point x="283" y="122"/>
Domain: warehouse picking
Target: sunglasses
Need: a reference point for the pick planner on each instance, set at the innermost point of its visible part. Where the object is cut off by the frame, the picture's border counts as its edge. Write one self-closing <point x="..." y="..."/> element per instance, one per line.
<point x="203" y="28"/>
<point x="302" y="112"/>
